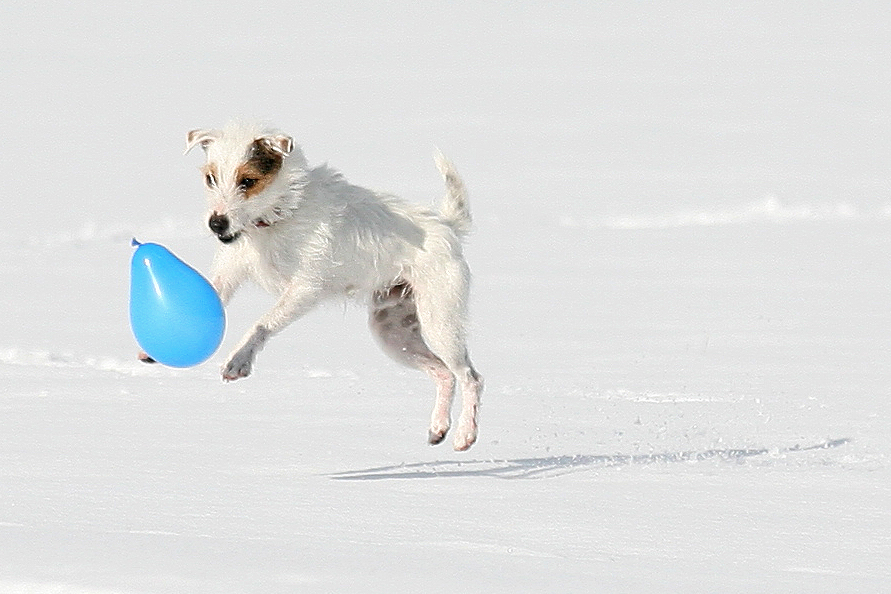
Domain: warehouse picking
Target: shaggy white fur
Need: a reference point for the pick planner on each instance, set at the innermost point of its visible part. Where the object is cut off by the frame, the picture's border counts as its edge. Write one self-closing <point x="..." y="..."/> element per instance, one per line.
<point x="305" y="234"/>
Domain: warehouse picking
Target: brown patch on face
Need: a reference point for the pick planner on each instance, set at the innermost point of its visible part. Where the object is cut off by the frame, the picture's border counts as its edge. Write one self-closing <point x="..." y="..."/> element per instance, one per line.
<point x="211" y="176"/>
<point x="259" y="170"/>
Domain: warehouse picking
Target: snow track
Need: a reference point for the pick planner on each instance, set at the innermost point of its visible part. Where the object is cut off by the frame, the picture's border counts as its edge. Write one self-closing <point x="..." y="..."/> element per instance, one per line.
<point x="551" y="466"/>
<point x="58" y="360"/>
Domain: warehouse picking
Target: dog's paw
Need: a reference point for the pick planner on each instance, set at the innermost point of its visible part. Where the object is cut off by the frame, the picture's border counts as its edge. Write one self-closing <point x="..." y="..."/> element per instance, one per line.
<point x="238" y="366"/>
<point x="465" y="436"/>
<point x="143" y="356"/>
<point x="435" y="436"/>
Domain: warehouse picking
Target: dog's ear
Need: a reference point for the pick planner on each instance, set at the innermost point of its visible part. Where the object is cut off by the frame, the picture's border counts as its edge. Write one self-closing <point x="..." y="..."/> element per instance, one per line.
<point x="280" y="143"/>
<point x="202" y="137"/>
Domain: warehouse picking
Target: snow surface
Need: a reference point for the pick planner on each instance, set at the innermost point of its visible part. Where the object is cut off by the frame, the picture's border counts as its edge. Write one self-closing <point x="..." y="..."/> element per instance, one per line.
<point x="681" y="301"/>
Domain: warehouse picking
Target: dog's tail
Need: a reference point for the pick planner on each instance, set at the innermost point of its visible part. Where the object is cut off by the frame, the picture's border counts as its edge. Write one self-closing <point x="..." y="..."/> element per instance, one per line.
<point x="454" y="208"/>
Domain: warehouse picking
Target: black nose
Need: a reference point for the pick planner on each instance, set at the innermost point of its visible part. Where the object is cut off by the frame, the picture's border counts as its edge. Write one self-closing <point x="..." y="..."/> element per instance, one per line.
<point x="218" y="223"/>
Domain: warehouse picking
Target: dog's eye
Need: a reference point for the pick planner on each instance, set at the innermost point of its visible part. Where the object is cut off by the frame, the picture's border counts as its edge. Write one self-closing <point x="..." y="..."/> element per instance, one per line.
<point x="210" y="180"/>
<point x="247" y="183"/>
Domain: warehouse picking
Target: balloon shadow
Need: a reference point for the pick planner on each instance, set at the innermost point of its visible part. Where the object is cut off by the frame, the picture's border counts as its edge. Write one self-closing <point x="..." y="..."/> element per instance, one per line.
<point x="521" y="468"/>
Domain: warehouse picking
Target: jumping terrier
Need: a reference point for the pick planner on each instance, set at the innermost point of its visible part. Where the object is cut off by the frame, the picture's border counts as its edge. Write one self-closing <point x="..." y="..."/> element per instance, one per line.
<point x="305" y="234"/>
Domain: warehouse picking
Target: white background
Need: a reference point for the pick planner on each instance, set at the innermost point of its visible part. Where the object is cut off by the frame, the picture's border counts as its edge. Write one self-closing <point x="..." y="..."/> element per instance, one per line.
<point x="681" y="266"/>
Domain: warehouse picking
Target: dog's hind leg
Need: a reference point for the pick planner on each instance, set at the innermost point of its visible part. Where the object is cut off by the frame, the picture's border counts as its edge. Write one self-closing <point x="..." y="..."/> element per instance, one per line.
<point x="394" y="321"/>
<point x="441" y="311"/>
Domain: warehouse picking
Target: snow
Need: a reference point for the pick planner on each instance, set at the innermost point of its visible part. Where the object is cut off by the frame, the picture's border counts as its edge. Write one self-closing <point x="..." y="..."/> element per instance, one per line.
<point x="681" y="302"/>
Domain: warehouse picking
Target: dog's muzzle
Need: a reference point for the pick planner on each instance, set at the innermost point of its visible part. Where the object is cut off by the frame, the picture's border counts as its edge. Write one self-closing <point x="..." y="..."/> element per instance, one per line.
<point x="219" y="224"/>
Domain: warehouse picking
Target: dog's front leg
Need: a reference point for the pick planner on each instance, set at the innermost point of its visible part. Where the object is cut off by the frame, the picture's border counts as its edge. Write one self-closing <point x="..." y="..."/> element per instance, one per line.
<point x="242" y="360"/>
<point x="227" y="274"/>
<point x="225" y="287"/>
<point x="297" y="299"/>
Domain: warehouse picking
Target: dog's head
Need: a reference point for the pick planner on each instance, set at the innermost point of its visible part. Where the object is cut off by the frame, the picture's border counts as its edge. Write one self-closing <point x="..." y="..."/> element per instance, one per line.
<point x="247" y="174"/>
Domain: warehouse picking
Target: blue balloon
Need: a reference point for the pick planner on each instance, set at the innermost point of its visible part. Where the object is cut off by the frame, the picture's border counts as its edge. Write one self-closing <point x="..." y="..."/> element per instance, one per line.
<point x="176" y="315"/>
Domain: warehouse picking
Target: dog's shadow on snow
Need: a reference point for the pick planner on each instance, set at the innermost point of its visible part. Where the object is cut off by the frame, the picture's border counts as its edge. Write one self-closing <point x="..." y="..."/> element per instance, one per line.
<point x="523" y="468"/>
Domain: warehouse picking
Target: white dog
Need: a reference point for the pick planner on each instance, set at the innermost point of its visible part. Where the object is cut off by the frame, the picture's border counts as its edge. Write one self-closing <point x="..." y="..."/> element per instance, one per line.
<point x="305" y="234"/>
